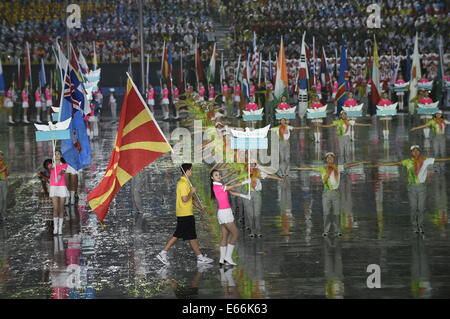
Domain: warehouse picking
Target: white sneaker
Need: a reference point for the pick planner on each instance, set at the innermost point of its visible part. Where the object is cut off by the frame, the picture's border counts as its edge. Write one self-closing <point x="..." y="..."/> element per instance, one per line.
<point x="202" y="259"/>
<point x="163" y="258"/>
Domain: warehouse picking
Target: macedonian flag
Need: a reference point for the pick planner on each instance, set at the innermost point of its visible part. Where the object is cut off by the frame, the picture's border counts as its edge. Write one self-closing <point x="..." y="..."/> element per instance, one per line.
<point x="139" y="141"/>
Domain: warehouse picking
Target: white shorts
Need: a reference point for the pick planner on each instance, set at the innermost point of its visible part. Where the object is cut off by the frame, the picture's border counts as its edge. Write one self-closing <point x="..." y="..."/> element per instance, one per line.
<point x="225" y="216"/>
<point x="165" y="101"/>
<point x="201" y="98"/>
<point x="211" y="99"/>
<point x="38" y="104"/>
<point x="317" y="121"/>
<point x="237" y="98"/>
<point x="151" y="102"/>
<point x="92" y="119"/>
<point x="49" y="103"/>
<point x="59" y="191"/>
<point x="8" y="103"/>
<point x="175" y="100"/>
<point x="70" y="169"/>
<point x="25" y="105"/>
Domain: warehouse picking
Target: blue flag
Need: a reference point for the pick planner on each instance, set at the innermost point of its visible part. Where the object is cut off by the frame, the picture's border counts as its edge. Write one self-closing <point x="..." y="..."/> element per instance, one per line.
<point x="408" y="66"/>
<point x="77" y="150"/>
<point x="341" y="95"/>
<point x="2" y="79"/>
<point x="42" y="79"/>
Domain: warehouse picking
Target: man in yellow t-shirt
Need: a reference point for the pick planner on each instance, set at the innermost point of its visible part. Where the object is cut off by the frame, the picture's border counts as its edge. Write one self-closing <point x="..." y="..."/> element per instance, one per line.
<point x="185" y="218"/>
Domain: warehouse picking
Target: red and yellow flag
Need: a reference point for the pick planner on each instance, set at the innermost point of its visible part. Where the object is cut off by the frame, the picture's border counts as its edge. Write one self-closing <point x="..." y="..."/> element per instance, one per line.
<point x="139" y="141"/>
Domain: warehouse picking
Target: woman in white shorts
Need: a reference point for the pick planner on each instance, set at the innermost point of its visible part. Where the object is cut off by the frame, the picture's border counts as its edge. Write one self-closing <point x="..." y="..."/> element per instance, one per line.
<point x="38" y="104"/>
<point x="58" y="191"/>
<point x="72" y="183"/>
<point x="48" y="102"/>
<point x="25" y="105"/>
<point x="237" y="98"/>
<point x="9" y="104"/>
<point x="151" y="98"/>
<point x="225" y="215"/>
<point x="165" y="102"/>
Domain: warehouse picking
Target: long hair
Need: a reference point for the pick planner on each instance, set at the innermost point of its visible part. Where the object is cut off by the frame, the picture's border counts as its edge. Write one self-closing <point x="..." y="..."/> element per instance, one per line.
<point x="212" y="185"/>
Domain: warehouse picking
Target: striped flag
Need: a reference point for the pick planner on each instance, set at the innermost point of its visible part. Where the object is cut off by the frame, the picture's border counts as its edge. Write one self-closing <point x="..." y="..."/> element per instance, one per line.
<point x="28" y="66"/>
<point x="139" y="142"/>
<point x="255" y="58"/>
<point x="281" y="82"/>
<point x="343" y="80"/>
<point x="375" y="88"/>
<point x="415" y="75"/>
<point x="325" y="75"/>
<point x="303" y="79"/>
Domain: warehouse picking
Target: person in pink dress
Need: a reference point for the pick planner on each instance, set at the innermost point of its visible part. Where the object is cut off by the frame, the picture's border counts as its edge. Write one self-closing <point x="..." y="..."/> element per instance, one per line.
<point x="201" y="92"/>
<point x="384" y="101"/>
<point x="400" y="94"/>
<point x="25" y="104"/>
<point x="151" y="98"/>
<point x="211" y="93"/>
<point x="426" y="98"/>
<point x="318" y="89"/>
<point x="251" y="106"/>
<point x="350" y="100"/>
<point x="400" y="80"/>
<point x="38" y="104"/>
<point x="226" y="98"/>
<point x="165" y="102"/>
<point x="283" y="104"/>
<point x="315" y="104"/>
<point x="237" y="98"/>
<point x="225" y="215"/>
<point x="189" y="88"/>
<point x="252" y="88"/>
<point x="9" y="104"/>
<point x="58" y="191"/>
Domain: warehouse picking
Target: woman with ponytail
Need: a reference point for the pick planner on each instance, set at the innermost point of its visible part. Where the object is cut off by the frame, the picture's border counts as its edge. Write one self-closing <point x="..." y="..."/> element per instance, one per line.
<point x="225" y="215"/>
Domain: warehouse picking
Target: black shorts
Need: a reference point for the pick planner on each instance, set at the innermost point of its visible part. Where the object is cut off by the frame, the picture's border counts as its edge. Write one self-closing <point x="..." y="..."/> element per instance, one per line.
<point x="185" y="228"/>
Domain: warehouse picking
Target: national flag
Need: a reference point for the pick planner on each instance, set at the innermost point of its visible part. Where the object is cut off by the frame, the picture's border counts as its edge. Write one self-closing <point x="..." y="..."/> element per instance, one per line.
<point x="94" y="59"/>
<point x="83" y="63"/>
<point x="281" y="82"/>
<point x="245" y="78"/>
<point x="375" y="88"/>
<point x="324" y="74"/>
<point x="238" y="75"/>
<point x="198" y="64"/>
<point x="139" y="141"/>
<point x="303" y="79"/>
<point x="255" y="58"/>
<point x="408" y="65"/>
<point x="211" y="74"/>
<point x="341" y="96"/>
<point x="270" y="68"/>
<point x="19" y="75"/>
<point x="416" y="74"/>
<point x="313" y="63"/>
<point x="28" y="66"/>
<point x="42" y="78"/>
<point x="77" y="150"/>
<point x="438" y="82"/>
<point x="2" y="78"/>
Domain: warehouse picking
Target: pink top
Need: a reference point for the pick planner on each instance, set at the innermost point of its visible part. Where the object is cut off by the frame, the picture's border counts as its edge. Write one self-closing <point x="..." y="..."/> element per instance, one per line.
<point x="151" y="94"/>
<point x="165" y="93"/>
<point x="335" y="87"/>
<point x="318" y="87"/>
<point x="176" y="92"/>
<point x="316" y="105"/>
<point x="225" y="89"/>
<point x="237" y="90"/>
<point x="400" y="82"/>
<point x="251" y="107"/>
<point x="189" y="89"/>
<point x="252" y="90"/>
<point x="24" y="96"/>
<point x="426" y="101"/>
<point x="48" y="96"/>
<point x="9" y="94"/>
<point x="221" y="196"/>
<point x="211" y="92"/>
<point x="423" y="80"/>
<point x="201" y="91"/>
<point x="38" y="96"/>
<point x="350" y="103"/>
<point x="283" y="106"/>
<point x="59" y="180"/>
<point x="384" y="102"/>
<point x="447" y="78"/>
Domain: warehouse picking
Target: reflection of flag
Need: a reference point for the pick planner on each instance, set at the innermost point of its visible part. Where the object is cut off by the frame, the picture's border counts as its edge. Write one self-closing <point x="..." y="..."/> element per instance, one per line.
<point x="28" y="67"/>
<point x="2" y="79"/>
<point x="281" y="82"/>
<point x="343" y="80"/>
<point x="415" y="75"/>
<point x="139" y="142"/>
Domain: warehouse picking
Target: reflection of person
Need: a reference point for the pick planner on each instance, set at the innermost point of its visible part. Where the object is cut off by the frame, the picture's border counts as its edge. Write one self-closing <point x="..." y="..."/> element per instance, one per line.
<point x="185" y="218"/>
<point x="416" y="167"/>
<point x="420" y="270"/>
<point x="4" y="170"/>
<point x="330" y="195"/>
<point x="334" y="276"/>
<point x="113" y="104"/>
<point x="225" y="216"/>
<point x="44" y="176"/>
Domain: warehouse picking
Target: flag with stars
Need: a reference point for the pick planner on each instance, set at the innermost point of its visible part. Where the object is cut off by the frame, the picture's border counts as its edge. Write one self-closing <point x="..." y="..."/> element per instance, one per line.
<point x="139" y="142"/>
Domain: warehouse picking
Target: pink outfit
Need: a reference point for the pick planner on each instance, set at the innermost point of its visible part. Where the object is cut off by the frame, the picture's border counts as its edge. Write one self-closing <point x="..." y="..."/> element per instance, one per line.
<point x="252" y="90"/>
<point x="400" y="82"/>
<point x="151" y="94"/>
<point x="318" y="87"/>
<point x="384" y="102"/>
<point x="9" y="94"/>
<point x="211" y="93"/>
<point x="237" y="90"/>
<point x="225" y="89"/>
<point x="447" y="78"/>
<point x="38" y="96"/>
<point x="24" y="96"/>
<point x="221" y="196"/>
<point x="283" y="106"/>
<point x="350" y="103"/>
<point x="424" y="80"/>
<point x="176" y="93"/>
<point x="54" y="181"/>
<point x="165" y="93"/>
<point x="335" y="87"/>
<point x="47" y="94"/>
<point x="426" y="101"/>
<point x="316" y="105"/>
<point x="251" y="107"/>
<point x="201" y="91"/>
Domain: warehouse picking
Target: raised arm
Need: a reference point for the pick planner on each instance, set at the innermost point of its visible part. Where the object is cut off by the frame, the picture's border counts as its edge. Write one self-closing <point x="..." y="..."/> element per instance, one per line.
<point x="304" y="168"/>
<point x="361" y="124"/>
<point x="321" y="125"/>
<point x="301" y="128"/>
<point x="442" y="159"/>
<point x="388" y="164"/>
<point x="355" y="164"/>
<point x="418" y="127"/>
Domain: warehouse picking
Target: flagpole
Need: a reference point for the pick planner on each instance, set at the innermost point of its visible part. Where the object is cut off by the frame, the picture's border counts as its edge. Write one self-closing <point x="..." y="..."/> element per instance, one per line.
<point x="141" y="40"/>
<point x="159" y="129"/>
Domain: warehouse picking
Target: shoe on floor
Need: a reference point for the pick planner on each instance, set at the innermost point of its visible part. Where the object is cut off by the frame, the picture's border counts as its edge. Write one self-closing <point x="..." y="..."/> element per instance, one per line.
<point x="163" y="258"/>
<point x="202" y="259"/>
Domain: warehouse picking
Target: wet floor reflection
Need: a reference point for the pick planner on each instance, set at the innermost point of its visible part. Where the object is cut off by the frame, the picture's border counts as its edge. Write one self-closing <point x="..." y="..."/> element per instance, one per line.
<point x="290" y="260"/>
